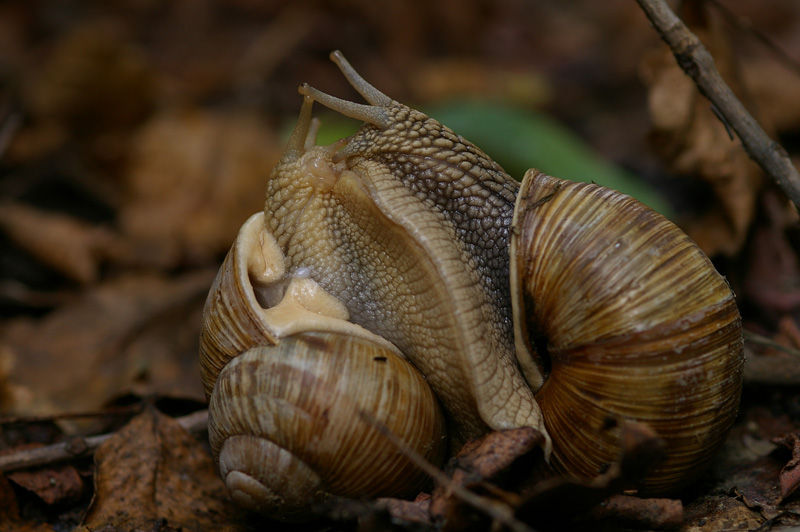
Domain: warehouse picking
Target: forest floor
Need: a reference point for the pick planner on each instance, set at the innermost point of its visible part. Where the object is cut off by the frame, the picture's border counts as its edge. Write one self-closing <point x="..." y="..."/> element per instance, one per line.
<point x="136" y="139"/>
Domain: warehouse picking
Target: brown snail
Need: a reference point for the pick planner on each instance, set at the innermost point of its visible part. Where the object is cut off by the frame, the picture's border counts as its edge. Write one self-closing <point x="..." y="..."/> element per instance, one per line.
<point x="564" y="306"/>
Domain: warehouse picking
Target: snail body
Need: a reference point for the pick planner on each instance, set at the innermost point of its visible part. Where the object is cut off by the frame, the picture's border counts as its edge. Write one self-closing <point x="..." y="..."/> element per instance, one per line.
<point x="562" y="306"/>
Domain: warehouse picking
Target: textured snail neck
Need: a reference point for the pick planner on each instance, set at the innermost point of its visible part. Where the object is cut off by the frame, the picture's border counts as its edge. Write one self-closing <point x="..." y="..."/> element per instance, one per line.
<point x="454" y="178"/>
<point x="447" y="172"/>
<point x="407" y="225"/>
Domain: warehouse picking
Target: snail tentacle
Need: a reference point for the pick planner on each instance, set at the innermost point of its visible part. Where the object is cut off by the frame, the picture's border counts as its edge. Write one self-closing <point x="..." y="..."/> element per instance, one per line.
<point x="364" y="88"/>
<point x="371" y="114"/>
<point x="303" y="130"/>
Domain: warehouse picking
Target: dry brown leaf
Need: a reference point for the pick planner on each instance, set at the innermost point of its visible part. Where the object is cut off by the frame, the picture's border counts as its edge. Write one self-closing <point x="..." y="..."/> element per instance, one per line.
<point x="773" y="369"/>
<point x="694" y="142"/>
<point x="790" y="474"/>
<point x="66" y="244"/>
<point x="484" y="460"/>
<point x="745" y="477"/>
<point x="6" y="390"/>
<point x="489" y="465"/>
<point x="54" y="485"/>
<point x="494" y="454"/>
<point x="416" y="511"/>
<point x="560" y="500"/>
<point x="773" y="269"/>
<point x="644" y="513"/>
<point x="10" y="520"/>
<point x="788" y="332"/>
<point x="721" y="514"/>
<point x="9" y="509"/>
<point x="757" y="488"/>
<point x="154" y="471"/>
<point x="134" y="333"/>
<point x="195" y="177"/>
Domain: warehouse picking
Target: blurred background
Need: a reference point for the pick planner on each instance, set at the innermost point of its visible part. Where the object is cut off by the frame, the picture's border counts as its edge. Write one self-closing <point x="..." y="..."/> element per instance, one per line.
<point x="135" y="138"/>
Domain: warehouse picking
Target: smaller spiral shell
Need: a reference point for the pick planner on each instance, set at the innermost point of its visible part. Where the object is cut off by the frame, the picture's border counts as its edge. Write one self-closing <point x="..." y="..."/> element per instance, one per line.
<point x="286" y="423"/>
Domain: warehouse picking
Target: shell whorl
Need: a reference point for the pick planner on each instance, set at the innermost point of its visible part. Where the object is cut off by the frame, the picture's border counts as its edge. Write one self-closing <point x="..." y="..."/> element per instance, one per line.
<point x="631" y="322"/>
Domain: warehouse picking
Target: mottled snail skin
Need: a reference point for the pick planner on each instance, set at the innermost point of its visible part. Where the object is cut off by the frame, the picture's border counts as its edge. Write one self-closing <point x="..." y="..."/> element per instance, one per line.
<point x="407" y="226"/>
<point x="408" y="238"/>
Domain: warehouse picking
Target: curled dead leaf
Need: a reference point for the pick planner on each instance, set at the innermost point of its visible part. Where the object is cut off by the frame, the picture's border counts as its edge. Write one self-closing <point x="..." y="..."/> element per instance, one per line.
<point x="134" y="334"/>
<point x="54" y="485"/>
<point x="692" y="140"/>
<point x="790" y="474"/>
<point x="644" y="513"/>
<point x="152" y="471"/>
<point x="65" y="244"/>
<point x="477" y="466"/>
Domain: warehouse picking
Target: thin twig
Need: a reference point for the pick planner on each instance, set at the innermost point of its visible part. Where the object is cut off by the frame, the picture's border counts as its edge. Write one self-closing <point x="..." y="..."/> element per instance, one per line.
<point x="106" y="412"/>
<point x="698" y="63"/>
<point x="756" y="338"/>
<point x="194" y="423"/>
<point x="496" y="510"/>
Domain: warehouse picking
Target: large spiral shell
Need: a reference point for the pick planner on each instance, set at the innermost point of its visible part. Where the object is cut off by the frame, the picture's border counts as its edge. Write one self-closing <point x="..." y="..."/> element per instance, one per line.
<point x="631" y="321"/>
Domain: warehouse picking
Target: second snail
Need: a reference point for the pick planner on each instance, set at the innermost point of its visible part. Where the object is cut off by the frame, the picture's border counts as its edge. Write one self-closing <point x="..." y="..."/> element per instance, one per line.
<point x="400" y="276"/>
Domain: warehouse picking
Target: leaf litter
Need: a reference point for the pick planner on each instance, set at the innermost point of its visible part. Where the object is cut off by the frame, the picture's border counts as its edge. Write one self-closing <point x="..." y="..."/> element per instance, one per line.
<point x="132" y="152"/>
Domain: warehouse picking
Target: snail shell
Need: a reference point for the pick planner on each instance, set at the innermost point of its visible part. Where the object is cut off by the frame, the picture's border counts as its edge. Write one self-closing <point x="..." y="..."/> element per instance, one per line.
<point x="296" y="390"/>
<point x="633" y="323"/>
<point x="408" y="237"/>
<point x="287" y="426"/>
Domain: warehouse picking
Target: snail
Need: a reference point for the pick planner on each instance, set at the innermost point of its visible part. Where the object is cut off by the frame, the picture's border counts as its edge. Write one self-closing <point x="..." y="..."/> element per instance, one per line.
<point x="563" y="306"/>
